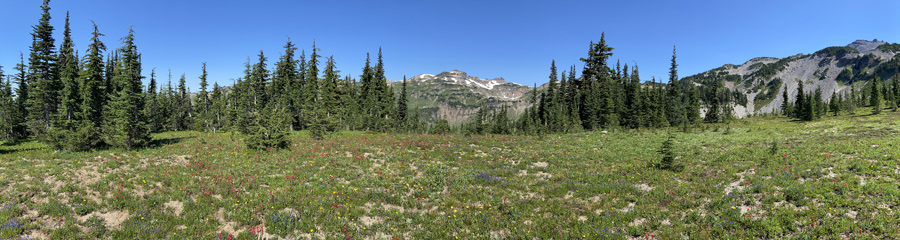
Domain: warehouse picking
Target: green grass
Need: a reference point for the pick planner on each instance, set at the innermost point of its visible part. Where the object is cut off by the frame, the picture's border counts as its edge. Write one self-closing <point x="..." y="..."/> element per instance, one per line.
<point x="760" y="178"/>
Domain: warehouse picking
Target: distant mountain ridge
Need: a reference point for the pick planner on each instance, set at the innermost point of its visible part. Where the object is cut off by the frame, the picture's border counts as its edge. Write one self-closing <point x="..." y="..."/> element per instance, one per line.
<point x="762" y="80"/>
<point x="454" y="95"/>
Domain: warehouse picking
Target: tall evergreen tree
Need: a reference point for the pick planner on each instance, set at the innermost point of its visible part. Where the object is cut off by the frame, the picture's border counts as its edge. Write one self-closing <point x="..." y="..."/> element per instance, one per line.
<point x="297" y="93"/>
<point x="42" y="75"/>
<point x="834" y="104"/>
<point x="851" y="101"/>
<point x="8" y="111"/>
<point x="68" y="76"/>
<point x="662" y="99"/>
<point x="127" y="126"/>
<point x="21" y="97"/>
<point x="204" y="119"/>
<point x="216" y="108"/>
<point x="182" y="106"/>
<point x="895" y="87"/>
<point x="633" y="114"/>
<point x="692" y="105"/>
<point x="714" y="108"/>
<point x="152" y="104"/>
<point x="599" y="100"/>
<point x="800" y="102"/>
<point x="562" y="110"/>
<point x="311" y="107"/>
<point x="674" y="105"/>
<point x="501" y="121"/>
<point x="286" y="82"/>
<point x="330" y="102"/>
<point x="786" y="107"/>
<point x="259" y="79"/>
<point x="545" y="108"/>
<point x="386" y="99"/>
<point x="109" y="86"/>
<point x="92" y="80"/>
<point x="875" y="98"/>
<point x="368" y="96"/>
<point x="819" y="103"/>
<point x="402" y="108"/>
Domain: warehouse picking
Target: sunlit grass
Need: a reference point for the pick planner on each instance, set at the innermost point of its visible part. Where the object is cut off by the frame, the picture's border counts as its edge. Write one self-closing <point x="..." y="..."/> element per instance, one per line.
<point x="753" y="178"/>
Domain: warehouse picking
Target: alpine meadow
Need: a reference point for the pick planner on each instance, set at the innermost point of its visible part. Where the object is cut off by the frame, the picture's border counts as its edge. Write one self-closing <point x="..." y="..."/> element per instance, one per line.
<point x="97" y="143"/>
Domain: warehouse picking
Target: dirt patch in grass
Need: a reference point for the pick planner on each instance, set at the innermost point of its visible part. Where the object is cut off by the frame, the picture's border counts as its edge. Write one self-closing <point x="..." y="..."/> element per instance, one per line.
<point x="177" y="207"/>
<point x="643" y="187"/>
<point x="111" y="219"/>
<point x="226" y="226"/>
<point x="369" y="221"/>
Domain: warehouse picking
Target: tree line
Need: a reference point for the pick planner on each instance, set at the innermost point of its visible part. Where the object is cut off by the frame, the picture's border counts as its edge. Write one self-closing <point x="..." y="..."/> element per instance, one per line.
<point x="98" y="100"/>
<point x="876" y="94"/>
<point x="608" y="98"/>
<point x="85" y="102"/>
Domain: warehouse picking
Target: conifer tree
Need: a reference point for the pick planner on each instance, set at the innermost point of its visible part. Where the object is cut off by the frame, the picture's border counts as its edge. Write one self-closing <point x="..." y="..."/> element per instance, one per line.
<point x="68" y="75"/>
<point x="368" y="96"/>
<point x="562" y="110"/>
<point x="92" y="81"/>
<point x="21" y="97"/>
<point x="632" y="115"/>
<point x="875" y="98"/>
<point x="714" y="108"/>
<point x="834" y="104"/>
<point x="286" y="82"/>
<point x="170" y="105"/>
<point x="259" y="79"/>
<point x="385" y="101"/>
<point x="810" y="109"/>
<point x="692" y="105"/>
<point x="296" y="108"/>
<point x="216" y="108"/>
<point x="42" y="75"/>
<point x="127" y="126"/>
<point x="311" y="108"/>
<point x="649" y="105"/>
<point x="571" y="96"/>
<point x="544" y="109"/>
<point x="818" y="103"/>
<point x="203" y="117"/>
<point x="800" y="102"/>
<point x="895" y="87"/>
<point x="402" y="108"/>
<point x="352" y="117"/>
<point x="182" y="106"/>
<point x="599" y="101"/>
<point x="786" y="107"/>
<point x="330" y="102"/>
<point x="109" y="86"/>
<point x="8" y="111"/>
<point x="152" y="104"/>
<point x="501" y="121"/>
<point x="245" y="112"/>
<point x="268" y="129"/>
<point x="674" y="105"/>
<point x="476" y="122"/>
<point x="851" y="101"/>
<point x="416" y="122"/>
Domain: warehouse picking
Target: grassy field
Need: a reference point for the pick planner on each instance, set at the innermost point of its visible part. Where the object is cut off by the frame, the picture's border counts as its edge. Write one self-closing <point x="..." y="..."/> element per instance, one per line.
<point x="760" y="178"/>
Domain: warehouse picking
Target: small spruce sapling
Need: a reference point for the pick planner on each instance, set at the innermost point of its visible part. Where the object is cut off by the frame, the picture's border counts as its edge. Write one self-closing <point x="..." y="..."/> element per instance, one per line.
<point x="666" y="150"/>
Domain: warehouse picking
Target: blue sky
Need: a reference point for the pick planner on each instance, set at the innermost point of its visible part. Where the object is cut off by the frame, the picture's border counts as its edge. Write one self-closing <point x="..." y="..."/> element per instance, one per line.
<point x="515" y="40"/>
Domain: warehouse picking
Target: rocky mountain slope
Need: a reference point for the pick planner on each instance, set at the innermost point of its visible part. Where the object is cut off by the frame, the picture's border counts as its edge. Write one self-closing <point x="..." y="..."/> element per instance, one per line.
<point x="834" y="69"/>
<point x="454" y="95"/>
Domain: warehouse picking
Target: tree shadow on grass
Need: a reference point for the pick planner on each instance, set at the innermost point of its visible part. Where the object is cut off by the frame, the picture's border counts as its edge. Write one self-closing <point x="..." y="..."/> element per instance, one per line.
<point x="159" y="142"/>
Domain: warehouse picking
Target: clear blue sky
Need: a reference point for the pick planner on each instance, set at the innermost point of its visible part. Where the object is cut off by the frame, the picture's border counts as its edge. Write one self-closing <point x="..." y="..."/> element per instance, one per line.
<point x="511" y="39"/>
